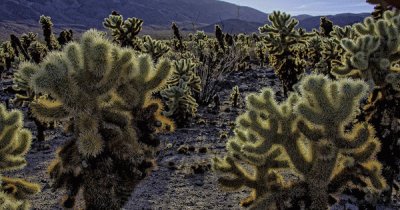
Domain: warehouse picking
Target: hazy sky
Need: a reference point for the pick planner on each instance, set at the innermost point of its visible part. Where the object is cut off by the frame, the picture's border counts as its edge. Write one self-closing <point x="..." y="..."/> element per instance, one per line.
<point x="312" y="7"/>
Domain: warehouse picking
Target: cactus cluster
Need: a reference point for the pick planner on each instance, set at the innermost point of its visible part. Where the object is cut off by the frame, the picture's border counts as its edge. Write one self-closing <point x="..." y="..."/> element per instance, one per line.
<point x="15" y="142"/>
<point x="155" y="48"/>
<point x="49" y="37"/>
<point x="306" y="135"/>
<point x="281" y="36"/>
<point x="124" y="32"/>
<point x="92" y="84"/>
<point x="372" y="54"/>
<point x="182" y="86"/>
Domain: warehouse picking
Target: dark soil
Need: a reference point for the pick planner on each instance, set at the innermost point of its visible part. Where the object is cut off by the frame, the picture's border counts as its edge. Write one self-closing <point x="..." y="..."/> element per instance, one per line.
<point x="182" y="178"/>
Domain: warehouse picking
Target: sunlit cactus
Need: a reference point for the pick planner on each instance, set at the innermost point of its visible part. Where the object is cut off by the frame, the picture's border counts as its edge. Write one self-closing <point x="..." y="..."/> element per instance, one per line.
<point x="184" y="69"/>
<point x="28" y="39"/>
<point x="87" y="82"/>
<point x="7" y="55"/>
<point x="155" y="48"/>
<point x="305" y="135"/>
<point x="15" y="142"/>
<point x="180" y="103"/>
<point x="124" y="32"/>
<point x="200" y="35"/>
<point x="373" y="55"/>
<point x="281" y="36"/>
<point x="328" y="53"/>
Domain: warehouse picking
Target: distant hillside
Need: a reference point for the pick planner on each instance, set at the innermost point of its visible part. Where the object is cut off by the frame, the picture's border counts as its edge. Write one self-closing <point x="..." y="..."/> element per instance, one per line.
<point x="90" y="13"/>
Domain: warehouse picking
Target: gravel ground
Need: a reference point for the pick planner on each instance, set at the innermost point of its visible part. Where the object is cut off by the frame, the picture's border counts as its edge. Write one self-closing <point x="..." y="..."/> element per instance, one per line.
<point x="175" y="183"/>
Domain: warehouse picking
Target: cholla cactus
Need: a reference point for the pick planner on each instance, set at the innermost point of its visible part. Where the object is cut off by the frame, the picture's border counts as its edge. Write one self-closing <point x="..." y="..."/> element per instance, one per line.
<point x="325" y="27"/>
<point x="328" y="54"/>
<point x="261" y="53"/>
<point x="200" y="35"/>
<point x="220" y="37"/>
<point x="181" y="105"/>
<point x="389" y="2"/>
<point x="18" y="48"/>
<point x="37" y="51"/>
<point x="123" y="31"/>
<point x="107" y="154"/>
<point x="155" y="48"/>
<point x="306" y="135"/>
<point x="373" y="52"/>
<point x="7" y="55"/>
<point x="281" y="36"/>
<point x="185" y="70"/>
<point x="235" y="97"/>
<point x="373" y="55"/>
<point x="178" y="37"/>
<point x="49" y="37"/>
<point x="65" y="37"/>
<point x="28" y="39"/>
<point x="15" y="142"/>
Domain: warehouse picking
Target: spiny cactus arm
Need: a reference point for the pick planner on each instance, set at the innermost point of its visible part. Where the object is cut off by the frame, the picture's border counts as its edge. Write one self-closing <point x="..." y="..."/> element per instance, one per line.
<point x="320" y="106"/>
<point x="23" y="75"/>
<point x="12" y="204"/>
<point x="357" y="59"/>
<point x="361" y="175"/>
<point x="49" y="111"/>
<point x="14" y="141"/>
<point x="280" y="21"/>
<point x="241" y="176"/>
<point x="154" y="47"/>
<point x="359" y="168"/>
<point x="21" y="189"/>
<point x="133" y="26"/>
<point x="366" y="27"/>
<point x="121" y="61"/>
<point x="274" y="124"/>
<point x="52" y="77"/>
<point x="141" y="79"/>
<point x="14" y="144"/>
<point x="269" y="133"/>
<point x="113" y="22"/>
<point x="309" y="131"/>
<point x="360" y="134"/>
<point x="158" y="78"/>
<point x="344" y="68"/>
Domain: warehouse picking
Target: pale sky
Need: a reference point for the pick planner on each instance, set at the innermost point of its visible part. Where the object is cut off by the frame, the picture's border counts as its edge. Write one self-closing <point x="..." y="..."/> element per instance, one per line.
<point x="311" y="7"/>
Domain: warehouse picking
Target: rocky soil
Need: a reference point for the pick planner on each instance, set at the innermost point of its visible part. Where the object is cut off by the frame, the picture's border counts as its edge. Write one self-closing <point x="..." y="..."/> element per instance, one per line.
<point x="182" y="179"/>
